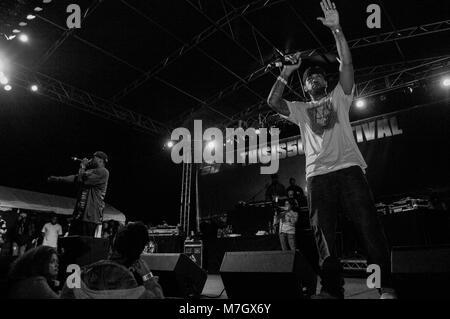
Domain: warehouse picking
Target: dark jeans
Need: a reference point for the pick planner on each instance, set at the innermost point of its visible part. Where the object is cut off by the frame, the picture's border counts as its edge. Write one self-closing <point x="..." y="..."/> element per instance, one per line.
<point x="345" y="190"/>
<point x="287" y="241"/>
<point x="82" y="228"/>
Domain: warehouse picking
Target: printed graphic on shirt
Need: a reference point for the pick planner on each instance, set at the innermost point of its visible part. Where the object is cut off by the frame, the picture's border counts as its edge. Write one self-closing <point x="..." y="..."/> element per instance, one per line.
<point x="322" y="116"/>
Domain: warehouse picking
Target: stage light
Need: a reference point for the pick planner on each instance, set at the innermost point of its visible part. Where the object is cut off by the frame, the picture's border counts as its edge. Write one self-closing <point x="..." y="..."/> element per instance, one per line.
<point x="34" y="88"/>
<point x="169" y="144"/>
<point x="8" y="87"/>
<point x="30" y="17"/>
<point x="211" y="144"/>
<point x="360" y="104"/>
<point x="38" y="9"/>
<point x="16" y="31"/>
<point x="257" y="131"/>
<point x="23" y="38"/>
<point x="23" y="24"/>
<point x="446" y="82"/>
<point x="3" y="80"/>
<point x="11" y="37"/>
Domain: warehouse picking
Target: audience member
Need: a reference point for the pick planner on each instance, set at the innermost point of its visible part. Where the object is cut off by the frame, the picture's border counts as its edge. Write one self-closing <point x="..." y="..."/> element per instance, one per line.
<point x="51" y="231"/>
<point x="106" y="231"/>
<point x="33" y="275"/>
<point x="22" y="233"/>
<point x="124" y="276"/>
<point x="3" y="230"/>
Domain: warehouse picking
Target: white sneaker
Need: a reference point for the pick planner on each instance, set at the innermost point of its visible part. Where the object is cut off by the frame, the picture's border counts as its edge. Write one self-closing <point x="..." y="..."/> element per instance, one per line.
<point x="388" y="294"/>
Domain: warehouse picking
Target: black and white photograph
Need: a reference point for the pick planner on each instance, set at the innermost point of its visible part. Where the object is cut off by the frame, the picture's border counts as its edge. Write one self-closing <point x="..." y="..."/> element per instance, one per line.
<point x="225" y="156"/>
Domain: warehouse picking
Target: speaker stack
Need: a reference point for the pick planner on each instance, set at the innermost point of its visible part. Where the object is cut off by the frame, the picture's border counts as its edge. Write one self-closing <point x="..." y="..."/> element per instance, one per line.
<point x="267" y="275"/>
<point x="421" y="272"/>
<point x="179" y="275"/>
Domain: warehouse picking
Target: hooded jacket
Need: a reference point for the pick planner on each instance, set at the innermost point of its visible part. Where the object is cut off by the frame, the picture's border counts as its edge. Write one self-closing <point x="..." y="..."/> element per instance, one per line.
<point x="109" y="280"/>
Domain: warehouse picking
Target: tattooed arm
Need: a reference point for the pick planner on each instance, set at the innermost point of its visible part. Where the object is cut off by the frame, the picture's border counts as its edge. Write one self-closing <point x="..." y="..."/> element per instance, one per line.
<point x="275" y="99"/>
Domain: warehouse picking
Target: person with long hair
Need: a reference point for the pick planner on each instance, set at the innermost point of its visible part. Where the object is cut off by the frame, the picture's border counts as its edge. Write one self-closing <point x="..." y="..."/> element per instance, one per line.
<point x="32" y="275"/>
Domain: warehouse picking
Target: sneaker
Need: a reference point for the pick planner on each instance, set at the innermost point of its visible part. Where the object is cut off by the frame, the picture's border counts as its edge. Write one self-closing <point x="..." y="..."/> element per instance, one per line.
<point x="388" y="294"/>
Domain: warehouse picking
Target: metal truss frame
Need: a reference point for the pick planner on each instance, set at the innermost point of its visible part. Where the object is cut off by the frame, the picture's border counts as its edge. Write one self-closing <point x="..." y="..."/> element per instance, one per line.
<point x="354" y="264"/>
<point x="205" y="34"/>
<point x="397" y="35"/>
<point x="394" y="76"/>
<point x="404" y="77"/>
<point x="80" y="99"/>
<point x="66" y="34"/>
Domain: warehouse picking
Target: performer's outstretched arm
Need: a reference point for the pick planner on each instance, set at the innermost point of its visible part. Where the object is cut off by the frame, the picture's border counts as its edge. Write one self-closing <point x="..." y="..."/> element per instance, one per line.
<point x="275" y="99"/>
<point x="63" y="179"/>
<point x="71" y="178"/>
<point x="331" y="20"/>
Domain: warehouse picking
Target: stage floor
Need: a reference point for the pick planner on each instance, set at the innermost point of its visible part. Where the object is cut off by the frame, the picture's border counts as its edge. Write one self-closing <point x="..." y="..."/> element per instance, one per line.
<point x="355" y="288"/>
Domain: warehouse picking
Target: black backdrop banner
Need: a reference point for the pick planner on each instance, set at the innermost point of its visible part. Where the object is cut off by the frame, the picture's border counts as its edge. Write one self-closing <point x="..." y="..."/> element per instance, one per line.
<point x="407" y="153"/>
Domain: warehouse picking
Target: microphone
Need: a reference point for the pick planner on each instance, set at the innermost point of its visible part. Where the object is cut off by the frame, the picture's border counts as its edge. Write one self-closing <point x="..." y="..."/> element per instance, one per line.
<point x="76" y="159"/>
<point x="281" y="62"/>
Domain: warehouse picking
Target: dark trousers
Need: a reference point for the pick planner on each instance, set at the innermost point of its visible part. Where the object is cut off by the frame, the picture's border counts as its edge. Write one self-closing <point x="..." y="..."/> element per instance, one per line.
<point x="345" y="190"/>
<point x="82" y="228"/>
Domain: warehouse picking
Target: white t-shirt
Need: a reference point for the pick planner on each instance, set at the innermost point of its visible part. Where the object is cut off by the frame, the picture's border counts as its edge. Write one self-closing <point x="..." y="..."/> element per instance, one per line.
<point x="287" y="224"/>
<point x="326" y="133"/>
<point x="51" y="233"/>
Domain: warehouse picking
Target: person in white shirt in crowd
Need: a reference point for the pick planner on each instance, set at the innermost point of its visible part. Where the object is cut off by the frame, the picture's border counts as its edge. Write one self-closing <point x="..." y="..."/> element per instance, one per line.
<point x="3" y="231"/>
<point x="51" y="231"/>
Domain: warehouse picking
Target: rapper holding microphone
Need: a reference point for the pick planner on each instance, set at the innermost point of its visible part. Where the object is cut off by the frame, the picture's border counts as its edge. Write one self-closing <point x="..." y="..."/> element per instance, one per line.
<point x="335" y="168"/>
<point x="92" y="179"/>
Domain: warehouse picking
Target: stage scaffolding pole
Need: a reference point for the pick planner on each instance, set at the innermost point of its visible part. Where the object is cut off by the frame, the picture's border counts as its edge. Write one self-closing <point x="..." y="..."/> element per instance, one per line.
<point x="186" y="187"/>
<point x="197" y="203"/>
<point x="189" y="200"/>
<point x="182" y="200"/>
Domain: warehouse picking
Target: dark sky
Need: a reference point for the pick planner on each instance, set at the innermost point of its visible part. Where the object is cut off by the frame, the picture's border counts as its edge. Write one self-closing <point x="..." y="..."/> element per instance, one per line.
<point x="38" y="137"/>
<point x="118" y="43"/>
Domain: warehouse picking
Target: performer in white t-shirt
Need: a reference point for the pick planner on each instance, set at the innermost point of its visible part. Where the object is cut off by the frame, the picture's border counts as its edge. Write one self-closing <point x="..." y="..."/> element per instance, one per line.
<point x="335" y="168"/>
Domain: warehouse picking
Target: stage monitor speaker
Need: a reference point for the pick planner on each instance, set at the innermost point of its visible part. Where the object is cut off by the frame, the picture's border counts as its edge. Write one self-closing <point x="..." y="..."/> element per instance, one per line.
<point x="179" y="276"/>
<point x="421" y="272"/>
<point x="82" y="250"/>
<point x="267" y="275"/>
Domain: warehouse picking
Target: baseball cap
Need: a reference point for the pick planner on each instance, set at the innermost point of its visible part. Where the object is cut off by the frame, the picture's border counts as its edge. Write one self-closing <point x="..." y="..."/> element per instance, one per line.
<point x="101" y="155"/>
<point x="313" y="70"/>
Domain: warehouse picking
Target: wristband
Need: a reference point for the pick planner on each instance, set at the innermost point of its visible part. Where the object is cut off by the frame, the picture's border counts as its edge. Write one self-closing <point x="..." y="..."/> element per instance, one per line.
<point x="336" y="30"/>
<point x="147" y="276"/>
<point x="282" y="80"/>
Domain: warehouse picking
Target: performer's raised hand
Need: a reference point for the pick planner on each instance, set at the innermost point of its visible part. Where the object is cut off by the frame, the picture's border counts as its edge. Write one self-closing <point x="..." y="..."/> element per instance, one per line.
<point x="331" y="19"/>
